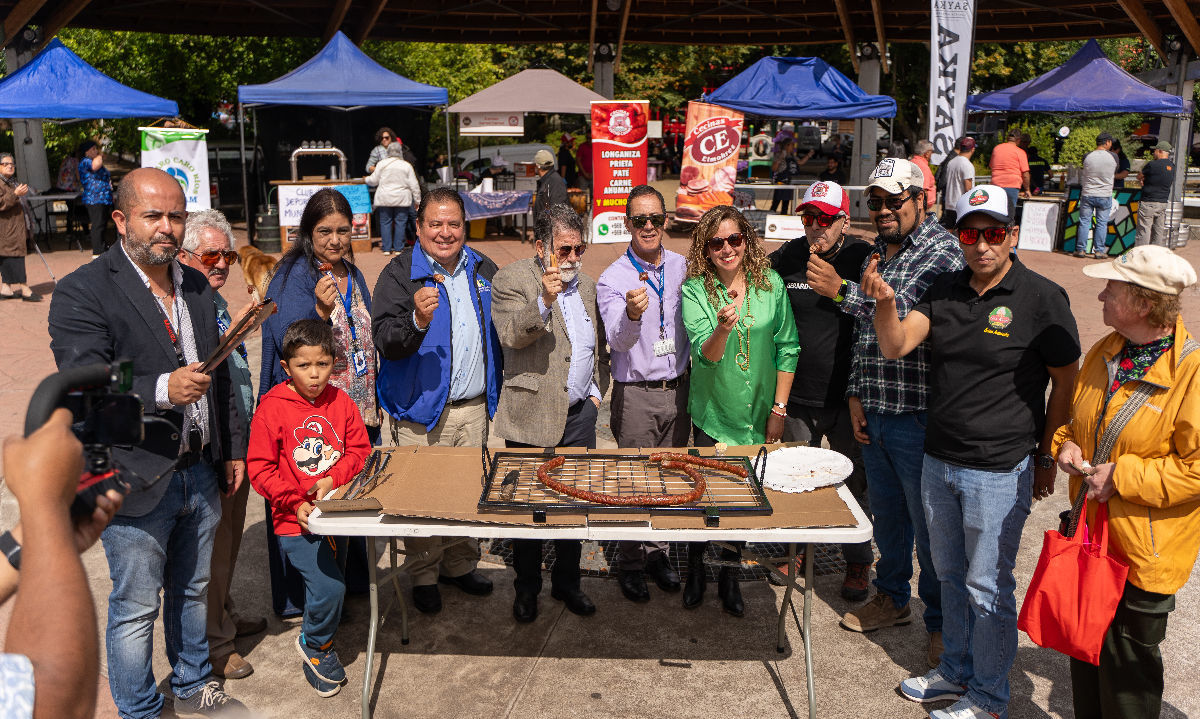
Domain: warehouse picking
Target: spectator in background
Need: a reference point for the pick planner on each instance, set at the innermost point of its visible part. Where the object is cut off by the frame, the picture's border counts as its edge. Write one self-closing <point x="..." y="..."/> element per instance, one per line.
<point x="383" y="138"/>
<point x="959" y="174"/>
<point x="1010" y="167"/>
<point x="1156" y="178"/>
<point x="551" y="187"/>
<point x="785" y="168"/>
<point x="399" y="192"/>
<point x="1122" y="165"/>
<point x="920" y="158"/>
<point x="1095" y="200"/>
<point x="14" y="234"/>
<point x="1039" y="169"/>
<point x="96" y="182"/>
<point x="566" y="160"/>
<point x="833" y="171"/>
<point x="583" y="160"/>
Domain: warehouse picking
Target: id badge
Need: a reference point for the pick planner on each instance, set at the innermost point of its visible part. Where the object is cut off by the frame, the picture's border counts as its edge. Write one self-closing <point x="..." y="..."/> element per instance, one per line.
<point x="359" y="358"/>
<point x="664" y="347"/>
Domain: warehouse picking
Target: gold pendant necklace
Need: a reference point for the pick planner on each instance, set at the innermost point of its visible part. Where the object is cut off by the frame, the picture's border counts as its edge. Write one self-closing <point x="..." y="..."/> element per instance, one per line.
<point x="742" y="358"/>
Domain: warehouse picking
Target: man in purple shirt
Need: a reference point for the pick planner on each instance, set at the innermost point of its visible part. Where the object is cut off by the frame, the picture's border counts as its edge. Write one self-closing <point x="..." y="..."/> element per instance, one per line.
<point x="640" y="300"/>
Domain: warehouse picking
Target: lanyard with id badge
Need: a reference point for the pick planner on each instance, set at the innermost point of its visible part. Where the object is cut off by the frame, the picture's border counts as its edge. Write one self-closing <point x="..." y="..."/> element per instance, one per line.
<point x="358" y="358"/>
<point x="665" y="345"/>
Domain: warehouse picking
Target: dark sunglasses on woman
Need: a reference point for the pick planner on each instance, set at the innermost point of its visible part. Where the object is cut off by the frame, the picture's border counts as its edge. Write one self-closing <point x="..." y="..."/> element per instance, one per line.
<point x="639" y="221"/>
<point x="735" y="240"/>
<point x="821" y="219"/>
<point x="212" y="257"/>
<point x="993" y="235"/>
<point x="893" y="203"/>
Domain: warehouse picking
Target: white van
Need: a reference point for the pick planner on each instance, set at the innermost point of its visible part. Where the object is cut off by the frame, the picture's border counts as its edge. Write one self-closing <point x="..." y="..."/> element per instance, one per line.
<point x="476" y="160"/>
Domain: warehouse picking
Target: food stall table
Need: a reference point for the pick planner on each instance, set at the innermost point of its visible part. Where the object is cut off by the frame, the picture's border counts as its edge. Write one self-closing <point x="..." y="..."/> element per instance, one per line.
<point x="832" y="513"/>
<point x="43" y="221"/>
<point x="483" y="205"/>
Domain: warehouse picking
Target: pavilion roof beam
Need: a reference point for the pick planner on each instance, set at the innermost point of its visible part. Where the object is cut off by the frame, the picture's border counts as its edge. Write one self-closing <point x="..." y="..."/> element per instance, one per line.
<point x="847" y="30"/>
<point x="18" y="17"/>
<point x="1137" y="12"/>
<point x="340" y="7"/>
<point x="592" y="35"/>
<point x="621" y="35"/>
<point x="372" y="17"/>
<point x="1187" y="22"/>
<point x="877" y="11"/>
<point x="65" y="14"/>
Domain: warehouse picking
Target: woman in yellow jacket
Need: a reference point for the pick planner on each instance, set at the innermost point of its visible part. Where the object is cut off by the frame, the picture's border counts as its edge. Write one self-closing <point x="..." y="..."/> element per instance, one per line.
<point x="1134" y="438"/>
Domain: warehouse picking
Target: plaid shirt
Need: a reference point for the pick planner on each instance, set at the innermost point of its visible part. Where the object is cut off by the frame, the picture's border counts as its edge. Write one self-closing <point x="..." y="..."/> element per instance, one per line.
<point x="897" y="386"/>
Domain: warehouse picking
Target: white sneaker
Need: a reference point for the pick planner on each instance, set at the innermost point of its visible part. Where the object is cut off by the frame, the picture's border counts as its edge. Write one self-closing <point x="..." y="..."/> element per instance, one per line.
<point x="962" y="709"/>
<point x="933" y="687"/>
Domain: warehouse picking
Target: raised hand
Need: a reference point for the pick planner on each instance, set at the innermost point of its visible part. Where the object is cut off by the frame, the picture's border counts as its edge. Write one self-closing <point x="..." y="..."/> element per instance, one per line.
<point x="636" y="302"/>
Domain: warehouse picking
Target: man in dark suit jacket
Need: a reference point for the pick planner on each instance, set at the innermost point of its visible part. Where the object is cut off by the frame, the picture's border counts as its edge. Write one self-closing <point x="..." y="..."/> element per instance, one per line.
<point x="138" y="302"/>
<point x="555" y="372"/>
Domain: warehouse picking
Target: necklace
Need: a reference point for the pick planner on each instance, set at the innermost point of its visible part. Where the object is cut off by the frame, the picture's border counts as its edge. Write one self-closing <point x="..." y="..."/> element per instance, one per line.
<point x="742" y="358"/>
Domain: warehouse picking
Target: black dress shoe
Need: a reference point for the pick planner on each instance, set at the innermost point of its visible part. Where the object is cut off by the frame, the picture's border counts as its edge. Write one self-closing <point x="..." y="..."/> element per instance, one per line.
<point x="665" y="576"/>
<point x="577" y="602"/>
<point x="427" y="598"/>
<point x="730" y="591"/>
<point x="525" y="607"/>
<point x="633" y="586"/>
<point x="472" y="583"/>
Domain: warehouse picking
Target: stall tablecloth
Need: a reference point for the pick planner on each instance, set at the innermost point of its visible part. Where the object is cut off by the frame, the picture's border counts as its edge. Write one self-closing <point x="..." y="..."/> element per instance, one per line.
<point x="481" y="205"/>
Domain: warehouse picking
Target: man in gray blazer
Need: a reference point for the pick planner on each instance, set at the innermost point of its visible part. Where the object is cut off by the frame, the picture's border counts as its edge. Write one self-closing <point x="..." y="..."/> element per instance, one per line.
<point x="555" y="372"/>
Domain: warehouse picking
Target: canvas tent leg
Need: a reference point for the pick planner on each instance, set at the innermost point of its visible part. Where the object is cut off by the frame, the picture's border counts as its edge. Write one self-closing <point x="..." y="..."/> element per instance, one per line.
<point x="245" y="186"/>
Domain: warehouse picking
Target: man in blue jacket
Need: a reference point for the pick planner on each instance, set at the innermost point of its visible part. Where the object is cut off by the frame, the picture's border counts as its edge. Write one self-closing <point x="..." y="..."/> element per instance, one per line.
<point x="432" y="304"/>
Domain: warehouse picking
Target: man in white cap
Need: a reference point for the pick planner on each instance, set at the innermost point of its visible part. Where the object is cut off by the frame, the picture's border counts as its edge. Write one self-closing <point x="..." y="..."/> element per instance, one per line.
<point x="1156" y="178"/>
<point x="888" y="399"/>
<point x="814" y="268"/>
<point x="998" y="334"/>
<point x="551" y="187"/>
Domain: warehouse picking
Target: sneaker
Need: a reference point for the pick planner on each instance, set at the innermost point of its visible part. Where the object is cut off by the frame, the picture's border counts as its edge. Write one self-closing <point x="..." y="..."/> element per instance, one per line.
<point x="878" y="613"/>
<point x="324" y="689"/>
<point x="1100" y="255"/>
<point x="210" y="701"/>
<point x="854" y="584"/>
<point x="933" y="687"/>
<point x="962" y="709"/>
<point x="324" y="661"/>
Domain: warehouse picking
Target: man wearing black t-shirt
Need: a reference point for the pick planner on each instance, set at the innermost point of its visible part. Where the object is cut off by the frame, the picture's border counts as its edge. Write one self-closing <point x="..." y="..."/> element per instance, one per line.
<point x="998" y="334"/>
<point x="1156" y="177"/>
<point x="817" y="406"/>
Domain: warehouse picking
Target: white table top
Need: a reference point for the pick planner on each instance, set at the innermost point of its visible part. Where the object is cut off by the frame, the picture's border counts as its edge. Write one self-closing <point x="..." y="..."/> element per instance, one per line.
<point x="372" y="524"/>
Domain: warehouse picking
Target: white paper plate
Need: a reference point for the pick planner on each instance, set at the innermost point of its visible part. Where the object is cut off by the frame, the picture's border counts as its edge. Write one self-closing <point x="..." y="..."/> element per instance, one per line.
<point x="803" y="469"/>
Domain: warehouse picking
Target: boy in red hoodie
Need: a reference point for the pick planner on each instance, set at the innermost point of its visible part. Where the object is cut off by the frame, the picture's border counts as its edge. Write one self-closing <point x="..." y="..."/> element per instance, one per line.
<point x="307" y="437"/>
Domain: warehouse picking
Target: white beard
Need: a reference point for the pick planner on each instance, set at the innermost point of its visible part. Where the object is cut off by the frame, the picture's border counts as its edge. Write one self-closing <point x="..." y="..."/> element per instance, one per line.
<point x="567" y="272"/>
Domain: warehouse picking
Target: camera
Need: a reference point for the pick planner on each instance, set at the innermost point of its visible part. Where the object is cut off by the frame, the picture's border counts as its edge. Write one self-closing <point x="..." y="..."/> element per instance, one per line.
<point x="105" y="415"/>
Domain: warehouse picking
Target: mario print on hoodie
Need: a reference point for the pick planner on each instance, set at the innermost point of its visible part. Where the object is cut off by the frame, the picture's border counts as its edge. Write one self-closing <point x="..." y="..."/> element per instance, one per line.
<point x="317" y="447"/>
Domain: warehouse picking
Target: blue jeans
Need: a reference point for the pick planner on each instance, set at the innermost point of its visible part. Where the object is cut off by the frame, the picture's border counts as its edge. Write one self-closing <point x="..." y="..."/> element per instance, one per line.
<point x="1014" y="193"/>
<point x="393" y="227"/>
<point x="314" y="557"/>
<point x="979" y="516"/>
<point x="168" y="549"/>
<point x="1101" y="207"/>
<point x="893" y="463"/>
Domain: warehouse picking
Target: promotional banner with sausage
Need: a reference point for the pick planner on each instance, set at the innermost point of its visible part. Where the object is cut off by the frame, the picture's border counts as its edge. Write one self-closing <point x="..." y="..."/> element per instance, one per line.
<point x="710" y="156"/>
<point x="619" y="146"/>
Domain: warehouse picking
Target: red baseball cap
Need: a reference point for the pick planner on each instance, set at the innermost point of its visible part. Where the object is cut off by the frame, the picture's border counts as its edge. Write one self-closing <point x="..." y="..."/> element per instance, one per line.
<point x="828" y="197"/>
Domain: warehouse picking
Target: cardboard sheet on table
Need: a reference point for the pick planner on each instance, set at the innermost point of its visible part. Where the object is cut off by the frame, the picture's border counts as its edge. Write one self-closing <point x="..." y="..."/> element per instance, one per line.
<point x="819" y="508"/>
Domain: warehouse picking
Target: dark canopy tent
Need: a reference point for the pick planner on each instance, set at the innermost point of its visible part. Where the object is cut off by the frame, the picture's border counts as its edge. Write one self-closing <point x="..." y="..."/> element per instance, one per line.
<point x="1088" y="82"/>
<point x="337" y="80"/>
<point x="57" y="84"/>
<point x="799" y="87"/>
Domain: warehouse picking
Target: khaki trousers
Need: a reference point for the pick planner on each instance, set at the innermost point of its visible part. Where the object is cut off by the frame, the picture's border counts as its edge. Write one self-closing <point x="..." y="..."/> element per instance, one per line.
<point x="226" y="543"/>
<point x="461" y="425"/>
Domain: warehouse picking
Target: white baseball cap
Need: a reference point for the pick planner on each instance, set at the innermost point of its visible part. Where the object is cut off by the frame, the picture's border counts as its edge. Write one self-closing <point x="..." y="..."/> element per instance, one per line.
<point x="988" y="199"/>
<point x="895" y="175"/>
<point x="828" y="197"/>
<point x="1150" y="266"/>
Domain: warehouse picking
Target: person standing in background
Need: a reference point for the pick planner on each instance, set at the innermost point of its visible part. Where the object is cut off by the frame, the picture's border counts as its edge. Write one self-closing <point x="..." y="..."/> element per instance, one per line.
<point x="959" y="175"/>
<point x="399" y="192"/>
<point x="920" y="158"/>
<point x="566" y="160"/>
<point x="1156" y="178"/>
<point x="14" y="234"/>
<point x="96" y="182"/>
<point x="1010" y="167"/>
<point x="1095" y="199"/>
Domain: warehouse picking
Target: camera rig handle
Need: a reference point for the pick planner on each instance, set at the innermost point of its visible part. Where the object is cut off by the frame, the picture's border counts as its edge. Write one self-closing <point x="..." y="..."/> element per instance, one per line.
<point x="51" y="393"/>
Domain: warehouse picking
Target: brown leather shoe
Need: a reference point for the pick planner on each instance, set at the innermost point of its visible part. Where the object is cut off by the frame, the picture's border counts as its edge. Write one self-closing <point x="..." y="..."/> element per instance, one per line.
<point x="231" y="666"/>
<point x="934" y="658"/>
<point x="245" y="627"/>
<point x="878" y="613"/>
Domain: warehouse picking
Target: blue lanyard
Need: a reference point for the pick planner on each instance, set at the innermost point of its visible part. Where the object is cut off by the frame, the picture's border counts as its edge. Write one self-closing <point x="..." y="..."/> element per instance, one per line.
<point x="223" y="327"/>
<point x="662" y="270"/>
<point x="348" y="305"/>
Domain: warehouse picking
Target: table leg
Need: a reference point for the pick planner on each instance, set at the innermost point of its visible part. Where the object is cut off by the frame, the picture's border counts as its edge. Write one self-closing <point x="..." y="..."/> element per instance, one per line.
<point x="787" y="598"/>
<point x="810" y="559"/>
<point x="373" y="628"/>
<point x="395" y="573"/>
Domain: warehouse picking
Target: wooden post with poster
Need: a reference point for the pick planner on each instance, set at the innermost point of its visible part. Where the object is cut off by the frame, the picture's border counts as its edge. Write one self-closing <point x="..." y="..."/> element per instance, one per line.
<point x="619" y="145"/>
<point x="710" y="156"/>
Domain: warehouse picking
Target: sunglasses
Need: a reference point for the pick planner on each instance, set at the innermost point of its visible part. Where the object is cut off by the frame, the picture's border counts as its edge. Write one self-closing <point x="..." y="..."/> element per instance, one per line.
<point x="639" y="221"/>
<point x="822" y="220"/>
<point x="212" y="257"/>
<point x="893" y="203"/>
<point x="735" y="240"/>
<point x="993" y="235"/>
<point x="564" y="251"/>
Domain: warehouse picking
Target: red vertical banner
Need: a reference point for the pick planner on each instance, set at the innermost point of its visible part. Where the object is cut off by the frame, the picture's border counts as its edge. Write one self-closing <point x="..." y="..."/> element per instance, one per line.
<point x="710" y="156"/>
<point x="619" y="146"/>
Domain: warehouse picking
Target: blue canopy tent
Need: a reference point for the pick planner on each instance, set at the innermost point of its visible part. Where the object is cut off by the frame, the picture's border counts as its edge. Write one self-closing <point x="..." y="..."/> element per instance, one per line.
<point x="58" y="84"/>
<point x="1088" y="82"/>
<point x="801" y="87"/>
<point x="340" y="77"/>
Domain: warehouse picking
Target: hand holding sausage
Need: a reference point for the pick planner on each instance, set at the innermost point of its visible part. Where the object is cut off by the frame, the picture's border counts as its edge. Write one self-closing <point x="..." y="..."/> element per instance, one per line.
<point x="327" y="296"/>
<point x="425" y="301"/>
<point x="636" y="302"/>
<point x="873" y="284"/>
<point x="822" y="278"/>
<point x="552" y="285"/>
<point x="727" y="317"/>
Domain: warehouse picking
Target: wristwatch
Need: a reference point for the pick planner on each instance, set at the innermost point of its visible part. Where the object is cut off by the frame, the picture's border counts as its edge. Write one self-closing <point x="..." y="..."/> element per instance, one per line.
<point x="1044" y="461"/>
<point x="841" y="293"/>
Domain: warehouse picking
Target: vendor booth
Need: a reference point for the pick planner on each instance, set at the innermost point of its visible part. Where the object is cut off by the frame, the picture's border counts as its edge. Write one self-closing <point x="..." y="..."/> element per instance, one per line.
<point x="1088" y="82"/>
<point x="351" y="96"/>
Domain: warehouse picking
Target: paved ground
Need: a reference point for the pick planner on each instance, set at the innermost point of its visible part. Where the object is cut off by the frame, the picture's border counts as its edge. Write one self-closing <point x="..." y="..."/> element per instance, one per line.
<point x="653" y="660"/>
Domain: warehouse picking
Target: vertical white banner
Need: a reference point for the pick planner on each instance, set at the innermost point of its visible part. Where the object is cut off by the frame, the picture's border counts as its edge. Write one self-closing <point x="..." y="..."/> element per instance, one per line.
<point x="952" y="33"/>
<point x="182" y="154"/>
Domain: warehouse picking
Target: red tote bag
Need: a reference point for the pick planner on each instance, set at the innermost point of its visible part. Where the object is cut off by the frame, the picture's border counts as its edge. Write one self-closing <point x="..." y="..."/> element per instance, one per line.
<point x="1075" y="591"/>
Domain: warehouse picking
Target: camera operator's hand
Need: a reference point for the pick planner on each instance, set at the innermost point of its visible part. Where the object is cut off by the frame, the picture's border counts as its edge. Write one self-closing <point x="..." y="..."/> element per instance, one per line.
<point x="235" y="474"/>
<point x="187" y="384"/>
<point x="43" y="469"/>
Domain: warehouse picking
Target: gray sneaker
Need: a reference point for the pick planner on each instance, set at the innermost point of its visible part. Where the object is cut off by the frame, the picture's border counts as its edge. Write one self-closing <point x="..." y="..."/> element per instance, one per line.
<point x="210" y="701"/>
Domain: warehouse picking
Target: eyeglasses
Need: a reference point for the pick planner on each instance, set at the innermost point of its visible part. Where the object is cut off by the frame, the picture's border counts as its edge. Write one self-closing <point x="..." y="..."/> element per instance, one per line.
<point x="993" y="235"/>
<point x="893" y="203"/>
<point x="386" y="137"/>
<point x="735" y="240"/>
<point x="6" y="164"/>
<point x="564" y="251"/>
<point x="639" y="221"/>
<point x="212" y="257"/>
<point x="822" y="219"/>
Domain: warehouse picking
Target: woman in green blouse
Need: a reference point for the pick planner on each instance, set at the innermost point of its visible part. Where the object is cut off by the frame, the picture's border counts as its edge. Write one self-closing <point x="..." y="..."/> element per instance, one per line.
<point x="744" y="349"/>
